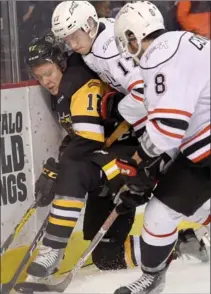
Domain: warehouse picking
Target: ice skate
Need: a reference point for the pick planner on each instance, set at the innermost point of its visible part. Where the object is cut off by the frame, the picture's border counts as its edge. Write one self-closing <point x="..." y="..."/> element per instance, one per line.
<point x="147" y="284"/>
<point x="45" y="264"/>
<point x="190" y="246"/>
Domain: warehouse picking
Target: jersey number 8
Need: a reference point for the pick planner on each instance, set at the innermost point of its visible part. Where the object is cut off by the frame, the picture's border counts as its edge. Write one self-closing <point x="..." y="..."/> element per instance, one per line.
<point x="160" y="86"/>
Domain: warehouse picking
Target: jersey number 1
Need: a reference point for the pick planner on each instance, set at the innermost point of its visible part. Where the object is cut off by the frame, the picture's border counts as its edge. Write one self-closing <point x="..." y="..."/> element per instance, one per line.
<point x="90" y="101"/>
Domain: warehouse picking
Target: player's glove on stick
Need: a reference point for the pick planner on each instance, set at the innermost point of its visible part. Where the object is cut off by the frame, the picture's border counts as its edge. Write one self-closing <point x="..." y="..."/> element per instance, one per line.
<point x="130" y="199"/>
<point x="131" y="193"/>
<point x="139" y="186"/>
<point x="118" y="181"/>
<point x="46" y="182"/>
<point x="146" y="173"/>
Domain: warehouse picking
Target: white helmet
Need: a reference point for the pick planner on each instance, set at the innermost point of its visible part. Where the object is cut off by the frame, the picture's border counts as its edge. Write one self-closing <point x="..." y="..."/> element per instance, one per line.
<point x="141" y="18"/>
<point x="69" y="16"/>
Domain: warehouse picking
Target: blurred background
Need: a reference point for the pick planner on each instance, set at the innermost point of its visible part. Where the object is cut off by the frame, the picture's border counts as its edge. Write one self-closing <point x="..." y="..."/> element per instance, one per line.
<point x="21" y="21"/>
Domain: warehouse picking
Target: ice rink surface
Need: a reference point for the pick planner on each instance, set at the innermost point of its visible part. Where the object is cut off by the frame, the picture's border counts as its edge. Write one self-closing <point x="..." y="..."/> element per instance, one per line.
<point x="184" y="276"/>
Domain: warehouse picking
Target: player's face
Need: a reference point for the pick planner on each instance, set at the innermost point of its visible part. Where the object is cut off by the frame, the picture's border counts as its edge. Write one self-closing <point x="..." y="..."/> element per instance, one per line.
<point x="49" y="76"/>
<point x="79" y="42"/>
<point x="134" y="48"/>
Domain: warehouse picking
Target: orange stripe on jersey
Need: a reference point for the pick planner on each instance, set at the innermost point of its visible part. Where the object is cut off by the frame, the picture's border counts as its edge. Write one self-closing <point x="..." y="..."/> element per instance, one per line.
<point x="175" y="111"/>
<point x="207" y="221"/>
<point x="134" y="84"/>
<point x="198" y="135"/>
<point x="138" y="98"/>
<point x="160" y="236"/>
<point x="166" y="132"/>
<point x="140" y="121"/>
<point x="202" y="156"/>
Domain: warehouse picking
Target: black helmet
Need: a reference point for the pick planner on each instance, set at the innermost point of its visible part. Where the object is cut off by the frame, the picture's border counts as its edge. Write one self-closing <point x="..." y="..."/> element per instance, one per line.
<point x="46" y="49"/>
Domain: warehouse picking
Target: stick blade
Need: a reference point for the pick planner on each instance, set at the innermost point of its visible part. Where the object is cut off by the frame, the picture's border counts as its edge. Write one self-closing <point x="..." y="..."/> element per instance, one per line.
<point x="30" y="288"/>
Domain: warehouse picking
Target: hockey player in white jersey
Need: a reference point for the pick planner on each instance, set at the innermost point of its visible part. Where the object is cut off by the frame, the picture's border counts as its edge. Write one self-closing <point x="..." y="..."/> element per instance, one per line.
<point x="176" y="69"/>
<point x="76" y="22"/>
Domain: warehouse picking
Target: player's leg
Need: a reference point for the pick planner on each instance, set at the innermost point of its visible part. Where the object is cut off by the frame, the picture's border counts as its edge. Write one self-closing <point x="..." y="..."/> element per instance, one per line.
<point x="196" y="242"/>
<point x="111" y="252"/>
<point x="118" y="249"/>
<point x="182" y="190"/>
<point x="73" y="182"/>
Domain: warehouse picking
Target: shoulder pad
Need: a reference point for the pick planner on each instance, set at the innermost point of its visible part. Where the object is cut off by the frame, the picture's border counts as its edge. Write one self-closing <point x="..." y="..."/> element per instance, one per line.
<point x="104" y="46"/>
<point x="75" y="76"/>
<point x="162" y="49"/>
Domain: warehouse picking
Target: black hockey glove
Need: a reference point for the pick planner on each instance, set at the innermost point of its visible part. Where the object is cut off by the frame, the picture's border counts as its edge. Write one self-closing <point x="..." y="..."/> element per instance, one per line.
<point x="126" y="187"/>
<point x="115" y="184"/>
<point x="146" y="173"/>
<point x="46" y="182"/>
<point x="139" y="186"/>
<point x="130" y="199"/>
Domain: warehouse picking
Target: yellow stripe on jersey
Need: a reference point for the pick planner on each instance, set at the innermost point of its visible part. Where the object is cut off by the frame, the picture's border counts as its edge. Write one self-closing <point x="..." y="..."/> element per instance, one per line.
<point x="86" y="121"/>
<point x="62" y="222"/>
<point x="69" y="203"/>
<point x="111" y="169"/>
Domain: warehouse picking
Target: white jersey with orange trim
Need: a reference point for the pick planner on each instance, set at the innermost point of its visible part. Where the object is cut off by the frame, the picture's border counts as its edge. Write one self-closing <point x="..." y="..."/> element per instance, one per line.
<point x="176" y="71"/>
<point x="117" y="71"/>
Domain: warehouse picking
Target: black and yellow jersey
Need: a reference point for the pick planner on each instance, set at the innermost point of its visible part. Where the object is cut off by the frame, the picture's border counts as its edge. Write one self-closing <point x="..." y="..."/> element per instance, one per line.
<point x="77" y="103"/>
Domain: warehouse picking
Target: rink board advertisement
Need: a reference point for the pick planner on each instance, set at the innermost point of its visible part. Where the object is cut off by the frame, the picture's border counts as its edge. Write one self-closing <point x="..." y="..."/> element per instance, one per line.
<point x="16" y="162"/>
<point x="29" y="135"/>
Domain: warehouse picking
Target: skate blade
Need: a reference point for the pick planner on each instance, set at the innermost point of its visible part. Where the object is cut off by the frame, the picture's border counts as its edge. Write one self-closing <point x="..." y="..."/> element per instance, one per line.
<point x="33" y="279"/>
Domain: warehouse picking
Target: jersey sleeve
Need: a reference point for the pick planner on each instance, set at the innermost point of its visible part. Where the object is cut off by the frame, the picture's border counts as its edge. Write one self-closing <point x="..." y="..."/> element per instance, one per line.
<point x="174" y="91"/>
<point x="86" y="121"/>
<point x="132" y="107"/>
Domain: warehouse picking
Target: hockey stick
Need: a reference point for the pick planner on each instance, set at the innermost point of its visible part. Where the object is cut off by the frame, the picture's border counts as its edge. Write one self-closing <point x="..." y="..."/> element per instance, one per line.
<point x="27" y="287"/>
<point x="19" y="226"/>
<point x="118" y="132"/>
<point x="122" y="128"/>
<point x="6" y="288"/>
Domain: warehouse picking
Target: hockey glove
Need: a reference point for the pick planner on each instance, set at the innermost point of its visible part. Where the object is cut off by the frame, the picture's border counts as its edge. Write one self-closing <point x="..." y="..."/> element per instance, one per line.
<point x="46" y="181"/>
<point x="116" y="176"/>
<point x="131" y="198"/>
<point x="145" y="179"/>
<point x="107" y="107"/>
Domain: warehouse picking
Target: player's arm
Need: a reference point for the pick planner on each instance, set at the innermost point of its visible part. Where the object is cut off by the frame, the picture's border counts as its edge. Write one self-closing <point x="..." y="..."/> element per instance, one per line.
<point x="86" y="122"/>
<point x="132" y="107"/>
<point x="175" y="99"/>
